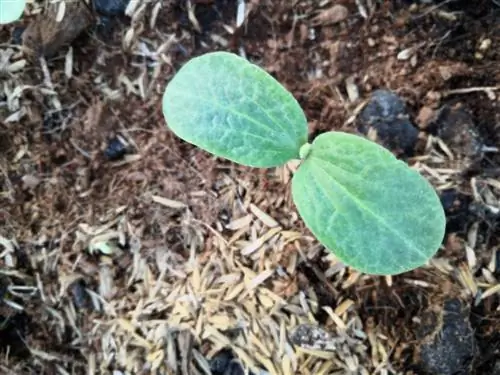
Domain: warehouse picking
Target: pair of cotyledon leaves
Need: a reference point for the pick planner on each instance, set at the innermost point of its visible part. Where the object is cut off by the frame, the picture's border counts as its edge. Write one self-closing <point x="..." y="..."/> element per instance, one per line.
<point x="11" y="10"/>
<point x="374" y="212"/>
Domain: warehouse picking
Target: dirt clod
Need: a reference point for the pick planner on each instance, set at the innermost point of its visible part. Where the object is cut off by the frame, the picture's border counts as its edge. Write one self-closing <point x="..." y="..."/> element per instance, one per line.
<point x="449" y="346"/>
<point x="46" y="35"/>
<point x="455" y="126"/>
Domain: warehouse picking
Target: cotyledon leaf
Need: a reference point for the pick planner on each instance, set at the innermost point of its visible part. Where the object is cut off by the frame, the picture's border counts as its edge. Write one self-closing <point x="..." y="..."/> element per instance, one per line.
<point x="232" y="108"/>
<point x="373" y="211"/>
<point x="11" y="10"/>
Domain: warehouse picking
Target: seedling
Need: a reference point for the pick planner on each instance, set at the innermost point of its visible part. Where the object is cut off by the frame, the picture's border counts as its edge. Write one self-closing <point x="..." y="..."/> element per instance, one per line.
<point x="11" y="10"/>
<point x="370" y="209"/>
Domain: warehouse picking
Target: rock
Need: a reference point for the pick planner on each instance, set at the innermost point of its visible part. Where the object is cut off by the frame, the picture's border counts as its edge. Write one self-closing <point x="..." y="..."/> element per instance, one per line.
<point x="448" y="343"/>
<point x="224" y="363"/>
<point x="220" y="361"/>
<point x="111" y="7"/>
<point x="116" y="149"/>
<point x="313" y="337"/>
<point x="386" y="115"/>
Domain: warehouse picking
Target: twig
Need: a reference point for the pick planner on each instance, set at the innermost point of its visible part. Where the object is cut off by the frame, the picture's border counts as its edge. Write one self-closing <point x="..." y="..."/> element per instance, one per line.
<point x="432" y="9"/>
<point x="79" y="149"/>
<point x="469" y="90"/>
<point x="440" y="42"/>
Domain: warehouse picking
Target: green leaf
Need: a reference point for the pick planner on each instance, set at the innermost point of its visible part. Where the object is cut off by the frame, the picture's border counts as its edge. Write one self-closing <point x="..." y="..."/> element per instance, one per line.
<point x="11" y="10"/>
<point x="375" y="213"/>
<point x="231" y="108"/>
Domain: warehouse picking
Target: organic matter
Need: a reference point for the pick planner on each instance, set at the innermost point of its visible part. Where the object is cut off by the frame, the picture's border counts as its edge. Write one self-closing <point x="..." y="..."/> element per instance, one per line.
<point x="204" y="255"/>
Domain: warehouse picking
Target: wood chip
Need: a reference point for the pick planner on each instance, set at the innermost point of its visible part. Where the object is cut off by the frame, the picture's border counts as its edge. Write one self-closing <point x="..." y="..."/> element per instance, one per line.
<point x="256" y="245"/>
<point x="168" y="202"/>
<point x="262" y="216"/>
<point x="240" y="223"/>
<point x="259" y="279"/>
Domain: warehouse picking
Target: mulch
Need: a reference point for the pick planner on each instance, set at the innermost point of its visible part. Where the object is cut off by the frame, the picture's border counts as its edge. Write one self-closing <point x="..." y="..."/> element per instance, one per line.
<point x="124" y="250"/>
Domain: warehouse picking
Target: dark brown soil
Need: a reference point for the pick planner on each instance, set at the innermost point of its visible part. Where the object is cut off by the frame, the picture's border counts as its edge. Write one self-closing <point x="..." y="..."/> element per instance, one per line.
<point x="102" y="162"/>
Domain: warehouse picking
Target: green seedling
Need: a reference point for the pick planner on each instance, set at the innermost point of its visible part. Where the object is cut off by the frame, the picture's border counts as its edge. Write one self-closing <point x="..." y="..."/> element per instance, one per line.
<point x="11" y="10"/>
<point x="373" y="211"/>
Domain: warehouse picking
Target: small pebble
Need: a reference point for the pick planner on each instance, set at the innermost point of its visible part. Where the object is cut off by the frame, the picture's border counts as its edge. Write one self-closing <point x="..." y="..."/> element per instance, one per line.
<point x="485" y="45"/>
<point x="224" y="363"/>
<point x="455" y="126"/>
<point x="116" y="149"/>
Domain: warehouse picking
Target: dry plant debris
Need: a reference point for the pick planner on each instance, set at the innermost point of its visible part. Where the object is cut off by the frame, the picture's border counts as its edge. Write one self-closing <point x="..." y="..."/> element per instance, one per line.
<point x="152" y="262"/>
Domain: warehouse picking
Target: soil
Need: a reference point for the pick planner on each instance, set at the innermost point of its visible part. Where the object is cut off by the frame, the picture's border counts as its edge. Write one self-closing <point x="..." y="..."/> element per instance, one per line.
<point x="124" y="250"/>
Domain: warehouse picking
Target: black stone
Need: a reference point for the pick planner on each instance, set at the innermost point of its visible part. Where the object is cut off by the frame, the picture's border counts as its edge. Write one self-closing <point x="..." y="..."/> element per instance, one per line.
<point x="224" y="363"/>
<point x="220" y="362"/>
<point x="116" y="149"/>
